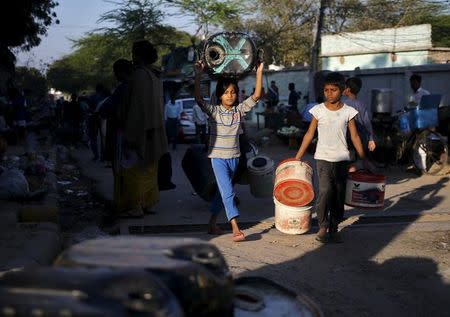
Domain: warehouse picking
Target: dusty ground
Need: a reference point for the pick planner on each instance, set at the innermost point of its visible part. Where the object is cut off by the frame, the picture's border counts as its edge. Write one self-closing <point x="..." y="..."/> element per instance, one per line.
<point x="380" y="270"/>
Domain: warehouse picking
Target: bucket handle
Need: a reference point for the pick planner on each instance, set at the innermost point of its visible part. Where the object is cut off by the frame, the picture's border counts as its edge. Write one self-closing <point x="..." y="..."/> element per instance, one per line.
<point x="302" y="162"/>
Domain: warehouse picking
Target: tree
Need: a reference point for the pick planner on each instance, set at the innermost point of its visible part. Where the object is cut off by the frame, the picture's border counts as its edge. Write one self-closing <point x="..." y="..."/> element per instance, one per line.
<point x="92" y="61"/>
<point x="357" y="15"/>
<point x="283" y="30"/>
<point x="23" y="22"/>
<point x="31" y="79"/>
<point x="140" y="19"/>
<point x="441" y="31"/>
<point x="207" y="13"/>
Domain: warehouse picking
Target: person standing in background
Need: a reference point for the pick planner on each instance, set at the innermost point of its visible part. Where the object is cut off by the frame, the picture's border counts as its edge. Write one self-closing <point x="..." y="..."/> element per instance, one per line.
<point x="201" y="120"/>
<point x="363" y="124"/>
<point x="416" y="81"/>
<point x="293" y="97"/>
<point x="144" y="137"/>
<point x="172" y="114"/>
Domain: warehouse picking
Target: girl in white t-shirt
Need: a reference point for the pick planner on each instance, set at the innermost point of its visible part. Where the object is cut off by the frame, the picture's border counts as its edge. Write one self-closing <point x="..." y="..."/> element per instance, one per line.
<point x="331" y="119"/>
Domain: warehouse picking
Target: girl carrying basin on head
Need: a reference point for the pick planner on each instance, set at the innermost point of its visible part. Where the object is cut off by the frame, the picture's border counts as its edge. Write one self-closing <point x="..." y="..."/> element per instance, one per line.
<point x="225" y="120"/>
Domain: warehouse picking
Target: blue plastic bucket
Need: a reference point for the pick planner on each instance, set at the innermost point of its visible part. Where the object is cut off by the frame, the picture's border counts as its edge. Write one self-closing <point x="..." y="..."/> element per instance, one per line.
<point x="403" y="122"/>
<point x="423" y="118"/>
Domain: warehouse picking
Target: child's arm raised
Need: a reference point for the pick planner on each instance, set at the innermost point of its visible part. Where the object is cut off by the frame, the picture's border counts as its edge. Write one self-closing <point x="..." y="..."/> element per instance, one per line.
<point x="309" y="135"/>
<point x="198" y="68"/>
<point x="258" y="85"/>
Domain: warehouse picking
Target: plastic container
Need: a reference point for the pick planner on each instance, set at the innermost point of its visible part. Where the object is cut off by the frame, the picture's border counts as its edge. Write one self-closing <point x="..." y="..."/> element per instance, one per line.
<point x="365" y="190"/>
<point x="382" y="100"/>
<point x="93" y="292"/>
<point x="197" y="168"/>
<point x="259" y="297"/>
<point x="292" y="220"/>
<point x="261" y="175"/>
<point x="423" y="118"/>
<point x="404" y="124"/>
<point x="195" y="271"/>
<point x="293" y="183"/>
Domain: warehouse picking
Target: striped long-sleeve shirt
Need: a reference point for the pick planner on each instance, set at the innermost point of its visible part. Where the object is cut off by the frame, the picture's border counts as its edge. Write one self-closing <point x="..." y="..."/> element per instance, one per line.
<point x="225" y="128"/>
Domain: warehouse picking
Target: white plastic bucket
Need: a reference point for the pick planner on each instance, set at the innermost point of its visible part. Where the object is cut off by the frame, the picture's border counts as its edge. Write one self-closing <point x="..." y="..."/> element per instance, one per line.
<point x="292" y="220"/>
<point x="293" y="183"/>
<point x="365" y="190"/>
<point x="261" y="175"/>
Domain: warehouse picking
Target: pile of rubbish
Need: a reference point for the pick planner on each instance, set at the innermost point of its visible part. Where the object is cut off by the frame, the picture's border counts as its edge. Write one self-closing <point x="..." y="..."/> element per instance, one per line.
<point x="25" y="177"/>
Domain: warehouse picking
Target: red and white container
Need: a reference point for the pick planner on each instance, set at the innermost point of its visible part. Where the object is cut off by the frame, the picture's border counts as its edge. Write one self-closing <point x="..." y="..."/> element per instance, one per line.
<point x="292" y="220"/>
<point x="365" y="190"/>
<point x="293" y="183"/>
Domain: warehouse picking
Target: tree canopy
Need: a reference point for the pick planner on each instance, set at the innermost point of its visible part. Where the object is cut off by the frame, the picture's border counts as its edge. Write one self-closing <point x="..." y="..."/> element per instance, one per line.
<point x="283" y="28"/>
<point x="93" y="57"/>
<point x="24" y="22"/>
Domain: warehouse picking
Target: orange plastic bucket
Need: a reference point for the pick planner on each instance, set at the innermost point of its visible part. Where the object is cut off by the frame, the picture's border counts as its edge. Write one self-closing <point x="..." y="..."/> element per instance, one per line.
<point x="293" y="183"/>
<point x="365" y="190"/>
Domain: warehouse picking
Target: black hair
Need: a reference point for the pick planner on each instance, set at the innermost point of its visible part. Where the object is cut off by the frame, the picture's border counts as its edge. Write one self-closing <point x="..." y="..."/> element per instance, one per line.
<point x="354" y="84"/>
<point x="122" y="66"/>
<point x="291" y="86"/>
<point x="336" y="79"/>
<point x="145" y="51"/>
<point x="416" y="77"/>
<point x="223" y="84"/>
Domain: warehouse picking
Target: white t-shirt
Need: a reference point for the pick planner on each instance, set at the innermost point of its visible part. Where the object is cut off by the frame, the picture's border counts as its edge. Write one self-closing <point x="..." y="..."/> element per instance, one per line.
<point x="332" y="130"/>
<point x="417" y="96"/>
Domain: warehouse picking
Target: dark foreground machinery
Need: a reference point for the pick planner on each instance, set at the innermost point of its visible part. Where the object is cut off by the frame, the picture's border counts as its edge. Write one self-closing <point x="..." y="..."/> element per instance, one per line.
<point x="140" y="276"/>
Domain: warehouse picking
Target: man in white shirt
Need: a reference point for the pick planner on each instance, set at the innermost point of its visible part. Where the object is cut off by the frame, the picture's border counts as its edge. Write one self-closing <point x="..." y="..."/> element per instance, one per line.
<point x="200" y="119"/>
<point x="415" y="82"/>
<point x="172" y="116"/>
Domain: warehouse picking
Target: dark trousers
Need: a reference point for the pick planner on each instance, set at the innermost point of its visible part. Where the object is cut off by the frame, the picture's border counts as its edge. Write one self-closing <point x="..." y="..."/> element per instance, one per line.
<point x="172" y="131"/>
<point x="93" y="142"/>
<point x="330" y="203"/>
<point x="200" y="133"/>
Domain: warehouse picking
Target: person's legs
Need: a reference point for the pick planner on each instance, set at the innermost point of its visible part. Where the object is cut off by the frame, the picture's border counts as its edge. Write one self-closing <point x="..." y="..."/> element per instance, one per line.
<point x="94" y="145"/>
<point x="224" y="170"/>
<point x="203" y="133"/>
<point x="337" y="204"/>
<point x="324" y="170"/>
<point x="198" y="139"/>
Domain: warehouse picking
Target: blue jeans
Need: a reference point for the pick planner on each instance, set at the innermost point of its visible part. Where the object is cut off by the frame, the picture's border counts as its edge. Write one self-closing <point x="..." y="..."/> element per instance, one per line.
<point x="224" y="170"/>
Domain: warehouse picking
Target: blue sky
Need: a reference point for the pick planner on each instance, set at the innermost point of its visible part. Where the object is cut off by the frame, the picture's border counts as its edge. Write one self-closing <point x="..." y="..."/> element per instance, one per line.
<point x="77" y="17"/>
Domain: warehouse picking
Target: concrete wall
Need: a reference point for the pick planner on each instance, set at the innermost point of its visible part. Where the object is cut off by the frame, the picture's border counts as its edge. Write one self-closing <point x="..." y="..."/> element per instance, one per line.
<point x="435" y="78"/>
<point x="401" y="39"/>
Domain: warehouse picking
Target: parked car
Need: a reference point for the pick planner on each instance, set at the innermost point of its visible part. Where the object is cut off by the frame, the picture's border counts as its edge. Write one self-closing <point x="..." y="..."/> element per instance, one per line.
<point x="186" y="123"/>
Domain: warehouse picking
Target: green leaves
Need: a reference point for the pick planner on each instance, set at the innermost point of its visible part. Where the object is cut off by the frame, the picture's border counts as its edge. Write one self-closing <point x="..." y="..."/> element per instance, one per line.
<point x="23" y="22"/>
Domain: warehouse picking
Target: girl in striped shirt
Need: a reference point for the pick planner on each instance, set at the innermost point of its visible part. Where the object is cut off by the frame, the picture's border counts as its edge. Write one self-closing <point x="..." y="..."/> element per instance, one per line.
<point x="225" y="121"/>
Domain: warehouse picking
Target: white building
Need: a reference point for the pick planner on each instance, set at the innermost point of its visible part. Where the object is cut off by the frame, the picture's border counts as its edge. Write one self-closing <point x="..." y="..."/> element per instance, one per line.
<point x="393" y="47"/>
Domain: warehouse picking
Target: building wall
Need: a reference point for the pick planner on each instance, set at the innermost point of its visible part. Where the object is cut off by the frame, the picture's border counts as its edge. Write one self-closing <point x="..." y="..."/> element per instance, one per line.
<point x="435" y="78"/>
<point x="401" y="39"/>
<point x="298" y="76"/>
<point x="376" y="60"/>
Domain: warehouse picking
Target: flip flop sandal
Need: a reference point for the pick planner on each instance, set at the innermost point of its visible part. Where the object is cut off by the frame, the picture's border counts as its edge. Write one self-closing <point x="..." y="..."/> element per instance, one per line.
<point x="238" y="237"/>
<point x="215" y="231"/>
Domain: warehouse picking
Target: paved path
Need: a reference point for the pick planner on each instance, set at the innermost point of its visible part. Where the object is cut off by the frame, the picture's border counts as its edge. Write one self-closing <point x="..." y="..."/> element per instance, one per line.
<point x="406" y="193"/>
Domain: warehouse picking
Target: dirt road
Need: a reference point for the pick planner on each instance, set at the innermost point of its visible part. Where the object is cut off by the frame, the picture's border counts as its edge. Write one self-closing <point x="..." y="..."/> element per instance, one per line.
<point x="380" y="270"/>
